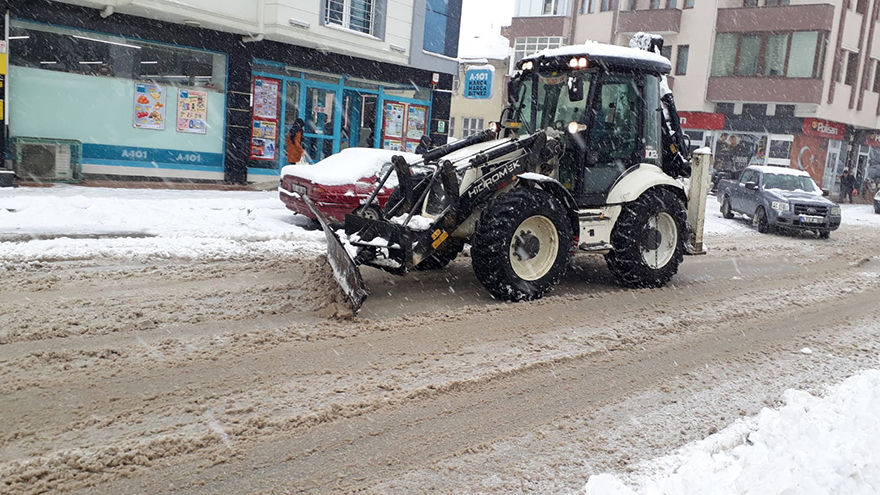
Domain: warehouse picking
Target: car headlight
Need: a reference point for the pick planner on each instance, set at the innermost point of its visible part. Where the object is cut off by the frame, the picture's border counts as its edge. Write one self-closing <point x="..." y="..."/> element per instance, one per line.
<point x="835" y="210"/>
<point x="779" y="206"/>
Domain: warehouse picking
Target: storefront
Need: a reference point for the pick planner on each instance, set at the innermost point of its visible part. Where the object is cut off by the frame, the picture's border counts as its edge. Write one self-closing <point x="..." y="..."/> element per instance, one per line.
<point x="132" y="106"/>
<point x="339" y="111"/>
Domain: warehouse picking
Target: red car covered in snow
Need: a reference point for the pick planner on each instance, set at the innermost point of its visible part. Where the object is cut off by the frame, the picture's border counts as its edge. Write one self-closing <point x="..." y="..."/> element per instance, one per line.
<point x="340" y="183"/>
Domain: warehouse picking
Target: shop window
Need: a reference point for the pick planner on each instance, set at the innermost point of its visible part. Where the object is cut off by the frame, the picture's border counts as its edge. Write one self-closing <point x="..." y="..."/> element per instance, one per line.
<point x="441" y="28"/>
<point x="471" y="126"/>
<point x="852" y="68"/>
<point x="784" y="111"/>
<point x="523" y="47"/>
<point x="681" y="61"/>
<point x="79" y="52"/>
<point x="526" y="8"/>
<point x="795" y="55"/>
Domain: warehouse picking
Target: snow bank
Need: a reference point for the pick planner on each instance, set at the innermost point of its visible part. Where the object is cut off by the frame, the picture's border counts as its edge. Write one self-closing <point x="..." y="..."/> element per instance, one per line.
<point x="811" y="445"/>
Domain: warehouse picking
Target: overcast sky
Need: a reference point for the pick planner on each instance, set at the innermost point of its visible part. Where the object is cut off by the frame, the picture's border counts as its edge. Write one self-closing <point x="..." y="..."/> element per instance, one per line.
<point x="479" y="16"/>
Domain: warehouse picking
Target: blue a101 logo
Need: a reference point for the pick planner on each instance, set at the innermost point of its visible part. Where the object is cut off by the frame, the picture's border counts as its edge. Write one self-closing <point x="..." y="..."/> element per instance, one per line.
<point x="478" y="83"/>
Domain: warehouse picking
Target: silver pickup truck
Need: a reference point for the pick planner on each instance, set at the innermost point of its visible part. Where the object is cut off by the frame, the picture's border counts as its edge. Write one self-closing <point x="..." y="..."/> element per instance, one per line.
<point x="778" y="197"/>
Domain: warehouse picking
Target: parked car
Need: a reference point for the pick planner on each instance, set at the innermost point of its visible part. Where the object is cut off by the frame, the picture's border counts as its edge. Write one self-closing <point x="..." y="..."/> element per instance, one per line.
<point x="877" y="202"/>
<point x="341" y="183"/>
<point x="778" y="197"/>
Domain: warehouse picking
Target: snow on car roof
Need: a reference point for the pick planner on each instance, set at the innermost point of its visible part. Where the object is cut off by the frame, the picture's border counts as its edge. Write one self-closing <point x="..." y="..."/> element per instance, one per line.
<point x="593" y="49"/>
<point x="347" y="166"/>
<point x="769" y="169"/>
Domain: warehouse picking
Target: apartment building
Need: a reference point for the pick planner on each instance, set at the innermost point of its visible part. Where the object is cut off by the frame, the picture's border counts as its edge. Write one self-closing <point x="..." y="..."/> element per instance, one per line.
<point x="207" y="89"/>
<point x="760" y="81"/>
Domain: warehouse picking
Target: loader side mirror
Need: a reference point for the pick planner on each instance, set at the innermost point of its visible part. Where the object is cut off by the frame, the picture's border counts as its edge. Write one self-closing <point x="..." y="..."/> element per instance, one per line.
<point x="575" y="88"/>
<point x="513" y="89"/>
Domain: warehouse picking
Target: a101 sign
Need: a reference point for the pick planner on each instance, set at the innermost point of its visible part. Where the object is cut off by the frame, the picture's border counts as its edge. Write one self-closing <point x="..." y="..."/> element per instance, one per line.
<point x="478" y="83"/>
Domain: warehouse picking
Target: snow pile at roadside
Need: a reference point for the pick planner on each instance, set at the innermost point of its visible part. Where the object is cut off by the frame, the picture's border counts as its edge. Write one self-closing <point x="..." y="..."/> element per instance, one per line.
<point x="823" y="446"/>
<point x="74" y="222"/>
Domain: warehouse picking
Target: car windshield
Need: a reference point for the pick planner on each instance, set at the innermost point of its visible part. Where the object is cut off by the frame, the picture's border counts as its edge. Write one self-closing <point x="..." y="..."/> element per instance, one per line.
<point x="551" y="100"/>
<point x="788" y="182"/>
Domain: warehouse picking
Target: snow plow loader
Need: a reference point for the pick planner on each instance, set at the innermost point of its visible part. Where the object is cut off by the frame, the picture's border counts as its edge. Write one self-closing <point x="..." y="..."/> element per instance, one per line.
<point x="588" y="157"/>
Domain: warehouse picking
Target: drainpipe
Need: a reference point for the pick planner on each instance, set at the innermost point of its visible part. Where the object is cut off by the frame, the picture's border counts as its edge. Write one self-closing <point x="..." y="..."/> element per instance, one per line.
<point x="613" y="39"/>
<point x="574" y="18"/>
<point x="261" y="24"/>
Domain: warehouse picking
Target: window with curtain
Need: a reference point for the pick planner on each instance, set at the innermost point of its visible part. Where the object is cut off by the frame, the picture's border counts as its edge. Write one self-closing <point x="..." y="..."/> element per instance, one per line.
<point x="356" y="15"/>
<point x="724" y="57"/>
<point x="589" y="6"/>
<point x="525" y="8"/>
<point x="681" y="61"/>
<point x="799" y="54"/>
<point x="774" y="57"/>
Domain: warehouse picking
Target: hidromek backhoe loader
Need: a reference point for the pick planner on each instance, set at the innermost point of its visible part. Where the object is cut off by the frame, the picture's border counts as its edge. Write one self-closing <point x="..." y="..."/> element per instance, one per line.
<point x="588" y="158"/>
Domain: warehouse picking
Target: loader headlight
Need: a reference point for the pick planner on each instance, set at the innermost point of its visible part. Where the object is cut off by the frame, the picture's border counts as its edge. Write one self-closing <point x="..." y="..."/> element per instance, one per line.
<point x="527" y="66"/>
<point x="578" y="63"/>
<point x="779" y="206"/>
<point x="575" y="127"/>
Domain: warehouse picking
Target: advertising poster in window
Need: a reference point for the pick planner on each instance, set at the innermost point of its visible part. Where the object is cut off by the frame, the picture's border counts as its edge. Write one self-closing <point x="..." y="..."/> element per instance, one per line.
<point x="149" y="106"/>
<point x="266" y="98"/>
<point x="393" y="127"/>
<point x="809" y="154"/>
<point x="416" y="125"/>
<point x="264" y="129"/>
<point x="192" y="111"/>
<point x="736" y="151"/>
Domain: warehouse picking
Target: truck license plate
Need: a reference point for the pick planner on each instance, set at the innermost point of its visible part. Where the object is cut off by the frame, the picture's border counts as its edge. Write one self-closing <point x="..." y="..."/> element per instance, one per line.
<point x="812" y="219"/>
<point x="299" y="189"/>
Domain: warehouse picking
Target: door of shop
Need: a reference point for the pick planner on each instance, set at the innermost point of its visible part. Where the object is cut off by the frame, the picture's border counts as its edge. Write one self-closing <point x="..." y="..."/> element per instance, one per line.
<point x="322" y="130"/>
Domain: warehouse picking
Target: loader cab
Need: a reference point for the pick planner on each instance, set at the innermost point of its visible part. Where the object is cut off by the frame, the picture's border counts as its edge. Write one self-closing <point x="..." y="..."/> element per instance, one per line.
<point x="607" y="111"/>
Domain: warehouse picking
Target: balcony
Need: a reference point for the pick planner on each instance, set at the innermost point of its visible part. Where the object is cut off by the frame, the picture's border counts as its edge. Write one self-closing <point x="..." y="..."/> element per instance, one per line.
<point x="536" y="26"/>
<point x="765" y="89"/>
<point x="657" y="21"/>
<point x="815" y="17"/>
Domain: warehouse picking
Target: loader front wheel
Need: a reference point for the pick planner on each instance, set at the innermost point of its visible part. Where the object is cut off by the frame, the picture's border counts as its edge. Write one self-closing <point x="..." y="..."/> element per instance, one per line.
<point x="648" y="240"/>
<point x="521" y="245"/>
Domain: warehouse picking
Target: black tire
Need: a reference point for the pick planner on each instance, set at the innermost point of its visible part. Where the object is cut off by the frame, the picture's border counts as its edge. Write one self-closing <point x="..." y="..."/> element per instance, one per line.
<point x="824" y="234"/>
<point x="521" y="245"/>
<point x="726" y="212"/>
<point x="759" y="220"/>
<point x="448" y="252"/>
<point x="371" y="212"/>
<point x="657" y="219"/>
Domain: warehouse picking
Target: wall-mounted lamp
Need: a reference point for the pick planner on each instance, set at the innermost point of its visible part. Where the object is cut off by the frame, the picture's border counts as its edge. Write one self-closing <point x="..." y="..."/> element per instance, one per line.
<point x="299" y="23"/>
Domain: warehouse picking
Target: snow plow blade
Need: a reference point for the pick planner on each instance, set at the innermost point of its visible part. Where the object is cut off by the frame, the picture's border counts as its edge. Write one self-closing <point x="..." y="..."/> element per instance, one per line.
<point x="345" y="271"/>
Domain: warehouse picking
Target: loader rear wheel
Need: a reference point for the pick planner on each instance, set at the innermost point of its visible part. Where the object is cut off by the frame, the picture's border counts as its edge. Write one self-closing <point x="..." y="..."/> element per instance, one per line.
<point x="648" y="240"/>
<point x="521" y="245"/>
<point x="442" y="257"/>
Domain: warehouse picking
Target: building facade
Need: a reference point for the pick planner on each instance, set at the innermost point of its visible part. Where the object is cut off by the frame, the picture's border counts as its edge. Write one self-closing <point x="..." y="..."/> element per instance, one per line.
<point x="207" y="89"/>
<point x="480" y="87"/>
<point x="783" y="82"/>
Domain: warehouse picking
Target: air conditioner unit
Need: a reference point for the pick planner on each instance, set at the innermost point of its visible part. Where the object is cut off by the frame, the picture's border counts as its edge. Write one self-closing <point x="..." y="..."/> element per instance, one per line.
<point x="47" y="160"/>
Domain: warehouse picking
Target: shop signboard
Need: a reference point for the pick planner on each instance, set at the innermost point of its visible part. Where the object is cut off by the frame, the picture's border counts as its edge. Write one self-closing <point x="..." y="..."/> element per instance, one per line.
<point x="192" y="111"/>
<point x="478" y="82"/>
<point x="264" y="121"/>
<point x="701" y="120"/>
<point x="736" y="151"/>
<point x="149" y="106"/>
<point x="809" y="154"/>
<point x="824" y="129"/>
<point x="872" y="139"/>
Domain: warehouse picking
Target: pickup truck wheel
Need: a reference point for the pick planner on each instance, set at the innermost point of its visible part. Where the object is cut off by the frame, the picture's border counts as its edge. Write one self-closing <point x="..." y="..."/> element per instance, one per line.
<point x="824" y="234"/>
<point x="759" y="220"/>
<point x="521" y="245"/>
<point x="648" y="240"/>
<point x="726" y="212"/>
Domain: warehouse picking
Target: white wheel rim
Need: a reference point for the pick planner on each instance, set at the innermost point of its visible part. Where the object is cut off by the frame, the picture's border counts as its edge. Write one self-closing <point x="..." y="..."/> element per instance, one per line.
<point x="531" y="261"/>
<point x="370" y="213"/>
<point x="662" y="225"/>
